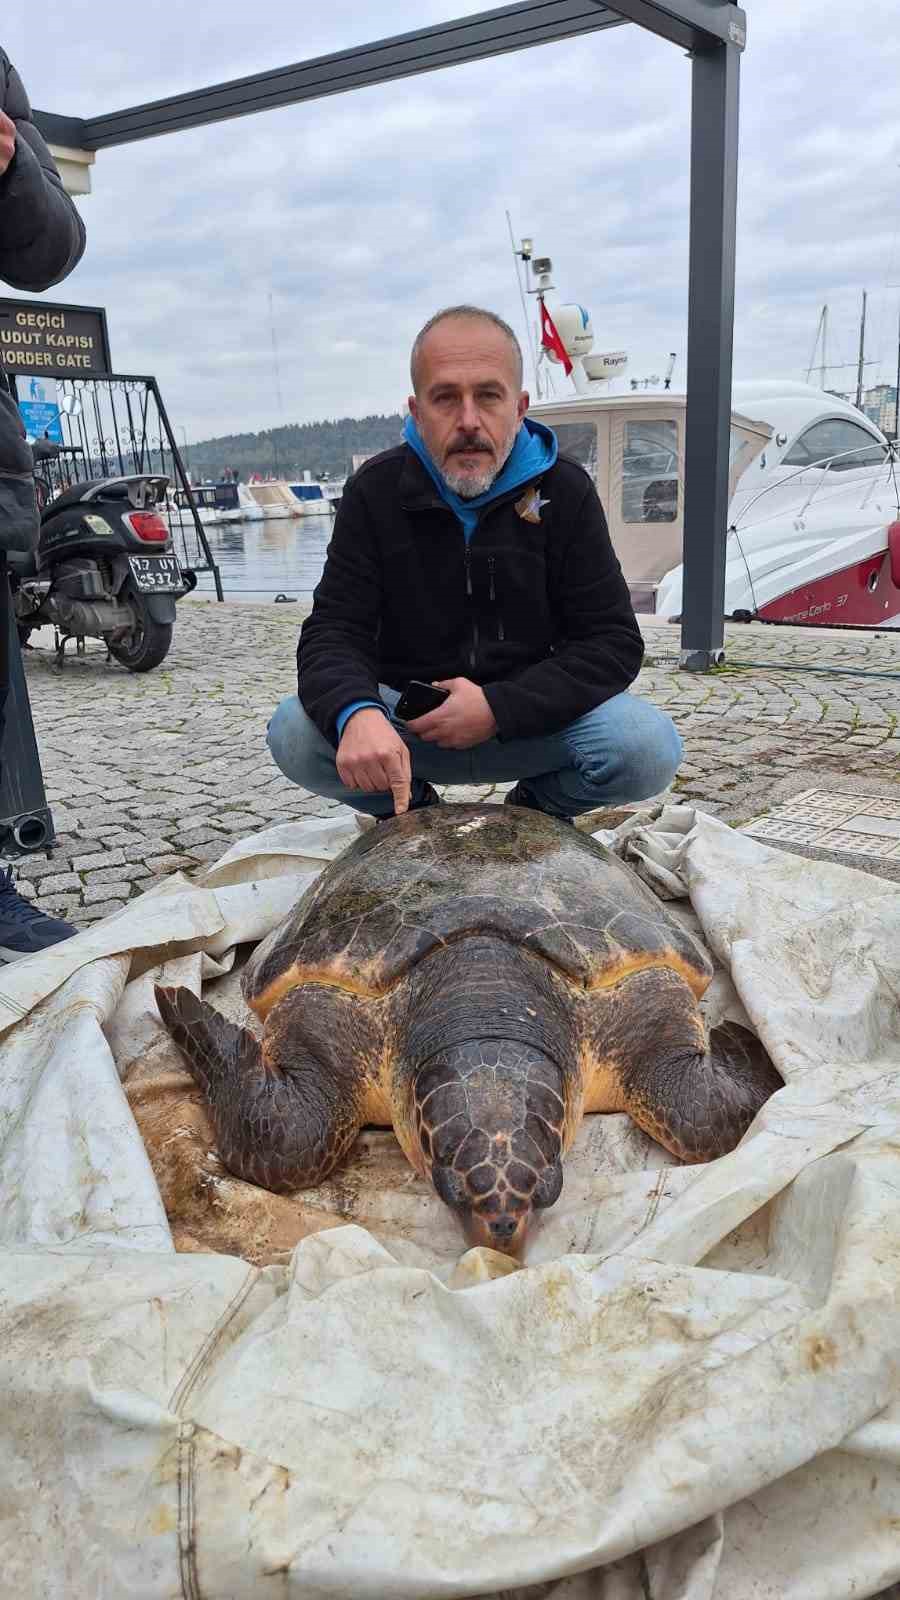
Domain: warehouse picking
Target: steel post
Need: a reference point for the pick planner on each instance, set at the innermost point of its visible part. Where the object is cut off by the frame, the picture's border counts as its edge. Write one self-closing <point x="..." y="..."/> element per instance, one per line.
<point x="714" y="159"/>
<point x="26" y="825"/>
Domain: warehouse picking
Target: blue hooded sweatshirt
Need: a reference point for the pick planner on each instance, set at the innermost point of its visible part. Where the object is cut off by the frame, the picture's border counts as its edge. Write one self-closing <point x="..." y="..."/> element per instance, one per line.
<point x="533" y="453"/>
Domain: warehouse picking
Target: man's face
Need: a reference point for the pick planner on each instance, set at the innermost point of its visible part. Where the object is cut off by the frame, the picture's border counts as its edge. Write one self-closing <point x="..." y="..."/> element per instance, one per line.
<point x="468" y="404"/>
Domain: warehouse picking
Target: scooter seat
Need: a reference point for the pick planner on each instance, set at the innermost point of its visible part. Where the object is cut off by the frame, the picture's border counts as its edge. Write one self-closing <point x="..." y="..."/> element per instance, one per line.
<point x="77" y="493"/>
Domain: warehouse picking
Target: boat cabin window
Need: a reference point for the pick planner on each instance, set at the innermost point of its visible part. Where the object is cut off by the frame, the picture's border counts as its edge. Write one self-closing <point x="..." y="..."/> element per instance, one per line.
<point x="838" y="438"/>
<point x="579" y="440"/>
<point x="204" y="496"/>
<point x="650" y="471"/>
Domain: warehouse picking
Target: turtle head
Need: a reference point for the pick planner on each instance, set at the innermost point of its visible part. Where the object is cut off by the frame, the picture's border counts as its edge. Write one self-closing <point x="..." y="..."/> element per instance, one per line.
<point x="489" y="1116"/>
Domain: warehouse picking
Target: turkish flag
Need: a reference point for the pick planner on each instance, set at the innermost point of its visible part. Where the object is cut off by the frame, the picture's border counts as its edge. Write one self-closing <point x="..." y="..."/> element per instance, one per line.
<point x="551" y="340"/>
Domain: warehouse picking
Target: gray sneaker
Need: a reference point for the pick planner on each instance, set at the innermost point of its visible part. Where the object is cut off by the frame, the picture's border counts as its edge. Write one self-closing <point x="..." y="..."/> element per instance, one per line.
<point x="24" y="930"/>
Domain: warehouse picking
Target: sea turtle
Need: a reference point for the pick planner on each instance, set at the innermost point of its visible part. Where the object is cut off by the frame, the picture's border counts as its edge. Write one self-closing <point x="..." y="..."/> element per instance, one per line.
<point x="477" y="977"/>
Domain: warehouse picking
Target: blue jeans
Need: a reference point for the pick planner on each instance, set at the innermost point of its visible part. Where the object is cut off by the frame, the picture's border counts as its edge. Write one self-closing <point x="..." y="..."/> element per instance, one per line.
<point x="623" y="750"/>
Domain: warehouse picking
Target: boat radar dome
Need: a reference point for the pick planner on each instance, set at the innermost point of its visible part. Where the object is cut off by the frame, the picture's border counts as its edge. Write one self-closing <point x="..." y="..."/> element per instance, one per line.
<point x="575" y="329"/>
<point x="604" y="367"/>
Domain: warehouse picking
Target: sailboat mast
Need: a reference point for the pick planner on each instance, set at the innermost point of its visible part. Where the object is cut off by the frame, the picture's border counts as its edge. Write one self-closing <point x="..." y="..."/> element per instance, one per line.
<point x="897" y="392"/>
<point x="823" y="318"/>
<point x="824" y="345"/>
<point x="862" y="353"/>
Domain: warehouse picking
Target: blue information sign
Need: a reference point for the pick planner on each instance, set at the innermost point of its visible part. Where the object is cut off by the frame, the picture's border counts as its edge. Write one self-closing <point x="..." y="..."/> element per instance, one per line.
<point x="41" y="419"/>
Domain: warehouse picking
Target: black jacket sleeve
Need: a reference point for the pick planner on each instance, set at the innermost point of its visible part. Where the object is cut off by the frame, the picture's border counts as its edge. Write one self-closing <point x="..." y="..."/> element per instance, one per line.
<point x="600" y="649"/>
<point x="337" y="657"/>
<point x="41" y="234"/>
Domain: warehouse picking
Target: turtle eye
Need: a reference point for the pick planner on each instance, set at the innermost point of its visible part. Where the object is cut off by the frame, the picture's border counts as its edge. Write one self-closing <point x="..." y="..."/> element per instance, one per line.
<point x="549" y="1186"/>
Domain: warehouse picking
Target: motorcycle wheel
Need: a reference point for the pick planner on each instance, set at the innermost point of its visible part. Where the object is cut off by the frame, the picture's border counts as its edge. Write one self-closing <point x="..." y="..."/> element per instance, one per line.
<point x="146" y="646"/>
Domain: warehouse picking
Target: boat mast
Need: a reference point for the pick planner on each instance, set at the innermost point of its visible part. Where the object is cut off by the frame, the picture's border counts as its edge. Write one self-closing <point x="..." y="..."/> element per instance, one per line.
<point x="897" y="393"/>
<point x="524" y="255"/>
<point x="862" y="353"/>
<point x="821" y="333"/>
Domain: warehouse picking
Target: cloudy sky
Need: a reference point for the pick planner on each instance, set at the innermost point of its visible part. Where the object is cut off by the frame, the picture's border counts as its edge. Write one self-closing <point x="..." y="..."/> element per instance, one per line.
<point x="353" y="218"/>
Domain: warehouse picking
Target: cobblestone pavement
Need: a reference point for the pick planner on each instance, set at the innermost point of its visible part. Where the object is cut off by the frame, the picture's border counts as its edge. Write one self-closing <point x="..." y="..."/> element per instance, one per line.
<point x="146" y="774"/>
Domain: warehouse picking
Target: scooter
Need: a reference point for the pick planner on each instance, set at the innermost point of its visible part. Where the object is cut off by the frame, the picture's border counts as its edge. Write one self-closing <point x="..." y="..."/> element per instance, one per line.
<point x="105" y="568"/>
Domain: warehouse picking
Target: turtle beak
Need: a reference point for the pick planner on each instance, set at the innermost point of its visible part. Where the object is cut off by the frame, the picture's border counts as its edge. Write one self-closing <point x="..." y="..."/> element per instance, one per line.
<point x="506" y="1232"/>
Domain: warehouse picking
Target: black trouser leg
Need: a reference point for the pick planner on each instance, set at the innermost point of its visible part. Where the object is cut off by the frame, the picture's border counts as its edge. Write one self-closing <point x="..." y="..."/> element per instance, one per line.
<point x="25" y="820"/>
<point x="5" y="609"/>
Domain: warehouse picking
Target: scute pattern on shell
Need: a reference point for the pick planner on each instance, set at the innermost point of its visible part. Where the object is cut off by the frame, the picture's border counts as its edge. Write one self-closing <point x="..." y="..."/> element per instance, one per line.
<point x="430" y="877"/>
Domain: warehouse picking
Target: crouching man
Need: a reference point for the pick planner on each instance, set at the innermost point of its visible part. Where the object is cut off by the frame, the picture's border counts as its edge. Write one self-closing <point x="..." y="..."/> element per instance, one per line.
<point x="476" y="559"/>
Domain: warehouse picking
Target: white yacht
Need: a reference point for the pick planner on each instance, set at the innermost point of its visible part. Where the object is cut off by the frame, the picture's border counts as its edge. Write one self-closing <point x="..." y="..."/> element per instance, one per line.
<point x="814" y="513"/>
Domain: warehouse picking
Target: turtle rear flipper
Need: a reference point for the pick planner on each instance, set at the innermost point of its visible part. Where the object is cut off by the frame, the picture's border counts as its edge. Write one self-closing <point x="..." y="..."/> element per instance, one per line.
<point x="696" y="1096"/>
<point x="283" y="1117"/>
<point x="210" y="1044"/>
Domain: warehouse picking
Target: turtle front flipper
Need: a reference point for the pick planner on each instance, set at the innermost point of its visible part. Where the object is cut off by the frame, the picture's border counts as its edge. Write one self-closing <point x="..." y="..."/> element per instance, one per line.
<point x="284" y="1116"/>
<point x="648" y="1053"/>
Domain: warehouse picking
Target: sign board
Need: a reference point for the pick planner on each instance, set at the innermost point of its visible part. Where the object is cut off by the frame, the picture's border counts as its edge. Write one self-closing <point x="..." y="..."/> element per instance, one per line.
<point x="39" y="409"/>
<point x="53" y="340"/>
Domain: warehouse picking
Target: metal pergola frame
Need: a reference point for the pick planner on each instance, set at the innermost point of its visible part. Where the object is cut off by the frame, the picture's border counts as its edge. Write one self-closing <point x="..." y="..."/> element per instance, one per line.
<point x="714" y="34"/>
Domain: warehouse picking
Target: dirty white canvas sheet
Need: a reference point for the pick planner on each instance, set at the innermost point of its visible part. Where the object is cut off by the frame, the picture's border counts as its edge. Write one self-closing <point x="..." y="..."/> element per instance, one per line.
<point x="691" y="1391"/>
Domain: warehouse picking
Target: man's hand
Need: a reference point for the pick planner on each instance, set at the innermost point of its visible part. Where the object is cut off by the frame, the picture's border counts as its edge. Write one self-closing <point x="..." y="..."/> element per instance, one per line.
<point x="7" y="141"/>
<point x="372" y="756"/>
<point x="464" y="720"/>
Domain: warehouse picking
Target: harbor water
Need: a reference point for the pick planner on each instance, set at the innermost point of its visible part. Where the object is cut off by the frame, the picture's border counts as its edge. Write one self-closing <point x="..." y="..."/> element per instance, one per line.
<point x="258" y="560"/>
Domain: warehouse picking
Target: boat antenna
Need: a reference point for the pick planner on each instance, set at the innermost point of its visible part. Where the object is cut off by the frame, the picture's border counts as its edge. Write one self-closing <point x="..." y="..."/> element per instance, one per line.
<point x="862" y="353"/>
<point x="278" y="395"/>
<point x="523" y="254"/>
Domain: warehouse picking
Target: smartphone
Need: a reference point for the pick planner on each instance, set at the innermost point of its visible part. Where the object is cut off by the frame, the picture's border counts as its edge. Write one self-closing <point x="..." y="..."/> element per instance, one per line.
<point x="417" y="698"/>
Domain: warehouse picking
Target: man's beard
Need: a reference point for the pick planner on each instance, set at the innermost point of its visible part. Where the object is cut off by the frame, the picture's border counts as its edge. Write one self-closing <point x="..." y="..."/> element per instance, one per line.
<point x="468" y="485"/>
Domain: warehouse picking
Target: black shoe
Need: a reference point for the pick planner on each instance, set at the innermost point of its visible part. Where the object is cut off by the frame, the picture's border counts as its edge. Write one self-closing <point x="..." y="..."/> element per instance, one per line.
<point x="429" y="797"/>
<point x="520" y="796"/>
<point x="24" y="929"/>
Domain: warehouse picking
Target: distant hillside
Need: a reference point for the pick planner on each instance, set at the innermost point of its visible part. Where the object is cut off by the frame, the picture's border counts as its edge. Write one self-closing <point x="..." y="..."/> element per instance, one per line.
<point x="324" y="448"/>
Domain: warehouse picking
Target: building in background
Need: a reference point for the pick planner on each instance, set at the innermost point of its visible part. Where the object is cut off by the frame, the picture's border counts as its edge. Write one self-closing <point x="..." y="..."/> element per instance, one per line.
<point x="880" y="406"/>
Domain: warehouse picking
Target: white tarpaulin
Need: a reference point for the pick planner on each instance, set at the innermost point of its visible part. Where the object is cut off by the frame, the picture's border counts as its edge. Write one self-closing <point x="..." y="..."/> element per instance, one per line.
<point x="691" y="1391"/>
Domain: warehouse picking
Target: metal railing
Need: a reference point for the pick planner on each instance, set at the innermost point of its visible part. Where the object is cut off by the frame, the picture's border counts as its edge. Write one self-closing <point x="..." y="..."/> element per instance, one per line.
<point x="117" y="425"/>
<point x="884" y="472"/>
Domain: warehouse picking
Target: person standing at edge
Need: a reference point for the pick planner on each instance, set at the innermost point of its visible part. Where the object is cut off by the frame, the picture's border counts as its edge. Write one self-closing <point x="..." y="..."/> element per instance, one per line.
<point x="476" y="558"/>
<point x="41" y="239"/>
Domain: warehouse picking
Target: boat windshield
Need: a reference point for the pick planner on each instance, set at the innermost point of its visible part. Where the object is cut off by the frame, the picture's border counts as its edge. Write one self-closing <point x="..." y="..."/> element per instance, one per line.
<point x="650" y="471"/>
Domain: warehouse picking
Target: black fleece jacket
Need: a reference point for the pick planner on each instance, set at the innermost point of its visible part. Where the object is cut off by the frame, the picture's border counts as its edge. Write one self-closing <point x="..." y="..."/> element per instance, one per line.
<point x="41" y="240"/>
<point x="537" y="613"/>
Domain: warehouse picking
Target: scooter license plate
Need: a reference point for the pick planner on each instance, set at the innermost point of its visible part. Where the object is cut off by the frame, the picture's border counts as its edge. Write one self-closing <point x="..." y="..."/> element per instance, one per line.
<point x="153" y="574"/>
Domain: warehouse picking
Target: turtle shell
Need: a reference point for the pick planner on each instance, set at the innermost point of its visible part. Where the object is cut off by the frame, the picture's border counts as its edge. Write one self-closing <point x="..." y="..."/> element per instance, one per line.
<point x="437" y="874"/>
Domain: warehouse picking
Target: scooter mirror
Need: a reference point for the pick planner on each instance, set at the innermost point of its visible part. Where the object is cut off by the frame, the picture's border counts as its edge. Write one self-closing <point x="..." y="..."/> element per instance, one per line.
<point x="70" y="405"/>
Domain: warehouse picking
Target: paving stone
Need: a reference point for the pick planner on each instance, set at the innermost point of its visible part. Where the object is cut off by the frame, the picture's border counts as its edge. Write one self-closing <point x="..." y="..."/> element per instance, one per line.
<point x="160" y="865"/>
<point x="57" y="882"/>
<point x="108" y="858"/>
<point x="198" y="836"/>
<point x="210" y="851"/>
<point x="99" y="893"/>
<point x="118" y="875"/>
<point x="200" y="773"/>
<point x="61" y="905"/>
<point x="232" y="821"/>
<point x="31" y="868"/>
<point x="94" y="913"/>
